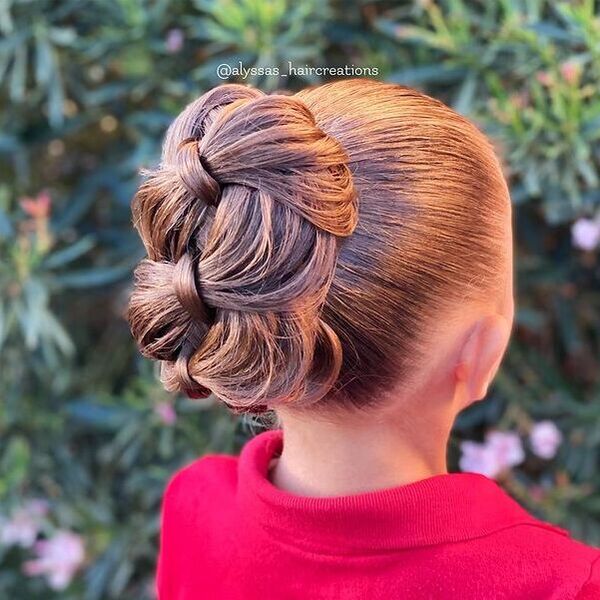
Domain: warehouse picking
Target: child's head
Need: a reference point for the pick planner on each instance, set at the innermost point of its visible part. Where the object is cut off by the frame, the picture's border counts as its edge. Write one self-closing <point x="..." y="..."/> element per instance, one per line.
<point x="323" y="249"/>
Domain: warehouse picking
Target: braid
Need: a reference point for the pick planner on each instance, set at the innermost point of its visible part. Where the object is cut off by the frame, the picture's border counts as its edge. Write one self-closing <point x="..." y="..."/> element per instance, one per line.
<point x="241" y="223"/>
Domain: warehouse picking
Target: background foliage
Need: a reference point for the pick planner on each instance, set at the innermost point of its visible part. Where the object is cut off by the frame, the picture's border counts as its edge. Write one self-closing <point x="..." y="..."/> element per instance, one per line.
<point x="86" y="92"/>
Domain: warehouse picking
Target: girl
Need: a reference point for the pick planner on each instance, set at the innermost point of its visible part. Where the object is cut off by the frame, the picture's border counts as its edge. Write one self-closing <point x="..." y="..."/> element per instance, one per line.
<point x="342" y="257"/>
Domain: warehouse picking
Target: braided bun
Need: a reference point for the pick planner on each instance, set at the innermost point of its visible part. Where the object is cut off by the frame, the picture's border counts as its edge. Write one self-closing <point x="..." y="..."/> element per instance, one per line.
<point x="241" y="222"/>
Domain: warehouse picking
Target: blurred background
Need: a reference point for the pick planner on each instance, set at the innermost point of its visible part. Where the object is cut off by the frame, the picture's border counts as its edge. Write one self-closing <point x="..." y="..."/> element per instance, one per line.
<point x="87" y="436"/>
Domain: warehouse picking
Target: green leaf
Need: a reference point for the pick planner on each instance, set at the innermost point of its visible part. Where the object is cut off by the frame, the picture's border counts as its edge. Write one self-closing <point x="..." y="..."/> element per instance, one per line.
<point x="62" y="257"/>
<point x="14" y="461"/>
<point x="88" y="278"/>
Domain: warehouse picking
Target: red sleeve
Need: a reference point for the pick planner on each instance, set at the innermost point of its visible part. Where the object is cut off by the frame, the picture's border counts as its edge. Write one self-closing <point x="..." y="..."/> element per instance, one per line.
<point x="591" y="588"/>
<point x="184" y="511"/>
<point x="165" y="572"/>
<point x="176" y="519"/>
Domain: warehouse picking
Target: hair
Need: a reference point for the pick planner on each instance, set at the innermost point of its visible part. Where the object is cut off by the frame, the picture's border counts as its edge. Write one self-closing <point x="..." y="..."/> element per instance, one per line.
<point x="299" y="247"/>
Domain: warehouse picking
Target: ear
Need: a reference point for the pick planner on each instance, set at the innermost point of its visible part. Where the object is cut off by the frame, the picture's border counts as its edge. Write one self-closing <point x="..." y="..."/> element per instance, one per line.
<point x="480" y="357"/>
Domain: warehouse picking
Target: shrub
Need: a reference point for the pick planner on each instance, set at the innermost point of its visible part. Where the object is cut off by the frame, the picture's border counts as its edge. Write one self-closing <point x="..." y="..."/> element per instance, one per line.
<point x="87" y="91"/>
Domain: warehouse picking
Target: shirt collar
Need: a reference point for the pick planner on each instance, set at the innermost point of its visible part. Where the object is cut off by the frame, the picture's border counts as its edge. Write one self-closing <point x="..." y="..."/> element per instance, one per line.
<point x="443" y="508"/>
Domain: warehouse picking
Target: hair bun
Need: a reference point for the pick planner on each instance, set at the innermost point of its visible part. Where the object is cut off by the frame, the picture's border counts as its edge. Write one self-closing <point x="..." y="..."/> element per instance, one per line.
<point x="230" y="299"/>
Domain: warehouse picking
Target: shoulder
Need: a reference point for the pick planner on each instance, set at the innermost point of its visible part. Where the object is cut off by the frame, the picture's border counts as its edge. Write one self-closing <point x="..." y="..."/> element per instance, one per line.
<point x="208" y="470"/>
<point x="591" y="587"/>
<point x="552" y="544"/>
<point x="546" y="555"/>
<point x="203" y="482"/>
<point x="196" y="508"/>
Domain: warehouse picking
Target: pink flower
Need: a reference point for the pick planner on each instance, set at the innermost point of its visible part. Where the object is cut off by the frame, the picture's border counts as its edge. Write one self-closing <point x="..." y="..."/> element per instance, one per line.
<point x="499" y="452"/>
<point x="38" y="207"/>
<point x="507" y="447"/>
<point x="59" y="558"/>
<point x="585" y="234"/>
<point x="545" y="438"/>
<point x="478" y="458"/>
<point x="174" y="41"/>
<point x="544" y="78"/>
<point x="520" y="100"/>
<point x="23" y="526"/>
<point x="166" y="413"/>
<point x="570" y="71"/>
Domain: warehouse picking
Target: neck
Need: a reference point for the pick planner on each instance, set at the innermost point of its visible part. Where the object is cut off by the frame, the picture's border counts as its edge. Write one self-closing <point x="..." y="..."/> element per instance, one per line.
<point x="322" y="458"/>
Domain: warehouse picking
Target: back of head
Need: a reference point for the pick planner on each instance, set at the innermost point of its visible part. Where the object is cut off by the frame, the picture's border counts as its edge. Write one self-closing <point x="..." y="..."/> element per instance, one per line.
<point x="300" y="247"/>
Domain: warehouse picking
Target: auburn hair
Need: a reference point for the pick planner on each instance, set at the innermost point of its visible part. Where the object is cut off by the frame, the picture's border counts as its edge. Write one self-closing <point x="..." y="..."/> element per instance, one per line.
<point x="300" y="247"/>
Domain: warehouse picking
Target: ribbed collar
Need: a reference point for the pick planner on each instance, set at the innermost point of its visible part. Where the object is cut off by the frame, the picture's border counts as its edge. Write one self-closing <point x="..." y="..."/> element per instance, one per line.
<point x="443" y="508"/>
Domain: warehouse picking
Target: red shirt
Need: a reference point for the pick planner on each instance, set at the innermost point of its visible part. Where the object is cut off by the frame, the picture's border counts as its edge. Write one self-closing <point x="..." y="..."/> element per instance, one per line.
<point x="229" y="533"/>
